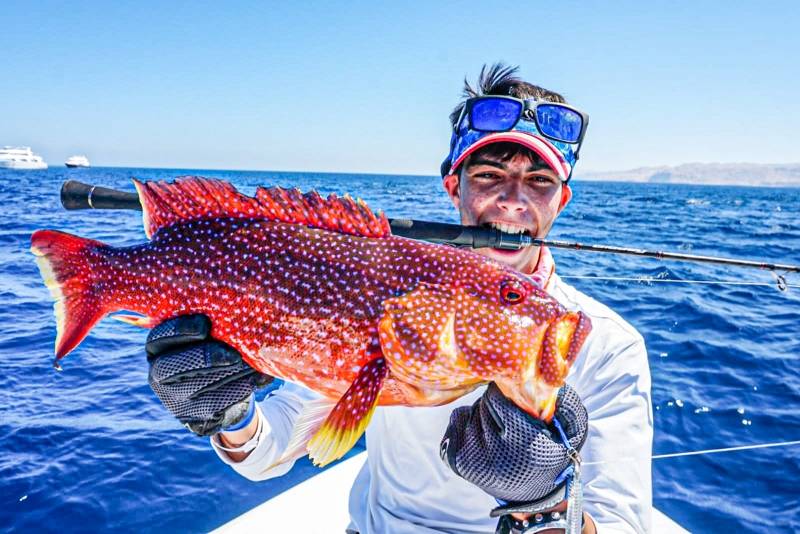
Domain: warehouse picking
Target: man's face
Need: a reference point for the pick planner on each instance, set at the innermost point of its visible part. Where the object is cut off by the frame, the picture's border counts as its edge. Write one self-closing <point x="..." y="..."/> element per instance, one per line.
<point x="514" y="195"/>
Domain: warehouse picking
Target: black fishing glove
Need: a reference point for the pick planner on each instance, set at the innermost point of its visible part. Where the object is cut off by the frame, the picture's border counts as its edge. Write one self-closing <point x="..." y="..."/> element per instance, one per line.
<point x="202" y="381"/>
<point x="511" y="455"/>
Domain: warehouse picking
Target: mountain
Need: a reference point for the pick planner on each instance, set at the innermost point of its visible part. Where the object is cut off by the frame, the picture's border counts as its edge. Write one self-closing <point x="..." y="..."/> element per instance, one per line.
<point x="780" y="174"/>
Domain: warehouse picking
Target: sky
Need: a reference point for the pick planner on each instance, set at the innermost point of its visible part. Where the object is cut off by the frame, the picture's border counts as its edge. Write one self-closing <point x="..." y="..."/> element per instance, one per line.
<point x="366" y="86"/>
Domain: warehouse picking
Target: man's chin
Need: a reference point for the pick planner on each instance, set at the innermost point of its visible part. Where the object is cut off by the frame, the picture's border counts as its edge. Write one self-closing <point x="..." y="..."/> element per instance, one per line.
<point x="523" y="259"/>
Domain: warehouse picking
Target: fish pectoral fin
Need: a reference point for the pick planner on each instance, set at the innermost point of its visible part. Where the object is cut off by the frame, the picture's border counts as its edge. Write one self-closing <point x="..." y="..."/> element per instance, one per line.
<point x="351" y="415"/>
<point x="137" y="320"/>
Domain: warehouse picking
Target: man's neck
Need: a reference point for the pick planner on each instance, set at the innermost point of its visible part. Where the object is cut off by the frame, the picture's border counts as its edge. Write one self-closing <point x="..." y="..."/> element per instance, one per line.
<point x="545" y="267"/>
<point x="534" y="264"/>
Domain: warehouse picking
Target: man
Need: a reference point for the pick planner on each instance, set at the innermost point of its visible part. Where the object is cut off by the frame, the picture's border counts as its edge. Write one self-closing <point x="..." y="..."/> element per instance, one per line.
<point x="509" y="163"/>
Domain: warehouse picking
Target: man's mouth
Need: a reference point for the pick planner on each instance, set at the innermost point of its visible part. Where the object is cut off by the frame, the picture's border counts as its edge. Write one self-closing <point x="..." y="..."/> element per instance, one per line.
<point x="509" y="228"/>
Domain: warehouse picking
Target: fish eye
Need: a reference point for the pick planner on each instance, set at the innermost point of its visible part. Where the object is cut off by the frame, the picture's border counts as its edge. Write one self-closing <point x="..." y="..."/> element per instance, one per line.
<point x="512" y="292"/>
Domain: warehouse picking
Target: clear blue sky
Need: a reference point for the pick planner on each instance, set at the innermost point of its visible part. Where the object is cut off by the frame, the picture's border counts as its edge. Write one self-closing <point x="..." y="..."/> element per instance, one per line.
<point x="367" y="86"/>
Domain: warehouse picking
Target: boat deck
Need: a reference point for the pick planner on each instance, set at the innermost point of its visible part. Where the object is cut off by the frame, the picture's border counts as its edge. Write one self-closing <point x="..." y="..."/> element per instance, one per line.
<point x="329" y="491"/>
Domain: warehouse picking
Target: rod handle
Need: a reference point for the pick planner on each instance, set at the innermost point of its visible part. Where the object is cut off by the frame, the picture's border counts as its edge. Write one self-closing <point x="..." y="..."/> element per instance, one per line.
<point x="459" y="236"/>
<point x="77" y="195"/>
<point x="451" y="234"/>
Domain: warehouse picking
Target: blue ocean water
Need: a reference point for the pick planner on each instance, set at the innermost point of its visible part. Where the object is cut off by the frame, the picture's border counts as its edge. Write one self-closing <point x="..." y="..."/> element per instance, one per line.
<point x="91" y="447"/>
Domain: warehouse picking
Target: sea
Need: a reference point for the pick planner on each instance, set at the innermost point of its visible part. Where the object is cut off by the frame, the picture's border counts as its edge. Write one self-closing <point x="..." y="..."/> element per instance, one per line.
<point x="91" y="448"/>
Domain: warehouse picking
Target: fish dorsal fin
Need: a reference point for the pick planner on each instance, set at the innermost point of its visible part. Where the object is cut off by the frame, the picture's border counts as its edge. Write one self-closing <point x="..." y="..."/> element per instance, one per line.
<point x="193" y="198"/>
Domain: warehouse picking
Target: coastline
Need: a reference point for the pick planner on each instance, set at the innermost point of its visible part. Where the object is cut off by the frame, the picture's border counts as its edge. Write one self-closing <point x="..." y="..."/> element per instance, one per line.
<point x="761" y="177"/>
<point x="733" y="174"/>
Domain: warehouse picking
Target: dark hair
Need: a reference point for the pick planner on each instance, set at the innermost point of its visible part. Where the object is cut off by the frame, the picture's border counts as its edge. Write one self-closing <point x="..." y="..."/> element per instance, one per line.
<point x="500" y="79"/>
<point x="505" y="151"/>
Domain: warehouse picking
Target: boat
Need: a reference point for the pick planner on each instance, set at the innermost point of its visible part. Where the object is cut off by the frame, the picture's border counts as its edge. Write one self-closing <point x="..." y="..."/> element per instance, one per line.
<point x="77" y="161"/>
<point x="329" y="494"/>
<point x="21" y="157"/>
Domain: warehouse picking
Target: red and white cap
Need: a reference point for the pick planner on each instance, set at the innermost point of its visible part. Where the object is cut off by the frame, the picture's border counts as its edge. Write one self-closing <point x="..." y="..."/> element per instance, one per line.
<point x="549" y="153"/>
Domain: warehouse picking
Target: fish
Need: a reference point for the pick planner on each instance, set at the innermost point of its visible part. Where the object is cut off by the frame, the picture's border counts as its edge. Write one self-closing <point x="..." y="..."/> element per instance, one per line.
<point x="317" y="291"/>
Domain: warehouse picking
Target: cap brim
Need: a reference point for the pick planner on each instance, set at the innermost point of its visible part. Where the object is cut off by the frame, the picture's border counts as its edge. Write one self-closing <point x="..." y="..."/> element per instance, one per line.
<point x="554" y="159"/>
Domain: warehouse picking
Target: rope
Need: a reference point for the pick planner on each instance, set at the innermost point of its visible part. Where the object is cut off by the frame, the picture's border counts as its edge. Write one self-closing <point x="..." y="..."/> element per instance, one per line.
<point x="648" y="280"/>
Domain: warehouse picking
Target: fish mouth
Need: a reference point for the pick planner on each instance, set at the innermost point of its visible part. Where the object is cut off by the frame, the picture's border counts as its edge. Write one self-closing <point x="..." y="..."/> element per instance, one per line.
<point x="536" y="390"/>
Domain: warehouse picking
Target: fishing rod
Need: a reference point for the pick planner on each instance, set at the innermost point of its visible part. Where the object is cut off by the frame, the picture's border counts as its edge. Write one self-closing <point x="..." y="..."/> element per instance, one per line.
<point x="77" y="196"/>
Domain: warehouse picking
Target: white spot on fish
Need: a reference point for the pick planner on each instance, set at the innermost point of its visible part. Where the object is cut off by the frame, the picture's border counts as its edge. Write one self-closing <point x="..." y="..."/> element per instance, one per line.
<point x="519" y="320"/>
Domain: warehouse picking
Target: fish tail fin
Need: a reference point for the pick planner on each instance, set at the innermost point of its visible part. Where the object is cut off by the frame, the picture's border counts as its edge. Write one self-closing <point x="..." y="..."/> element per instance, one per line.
<point x="65" y="262"/>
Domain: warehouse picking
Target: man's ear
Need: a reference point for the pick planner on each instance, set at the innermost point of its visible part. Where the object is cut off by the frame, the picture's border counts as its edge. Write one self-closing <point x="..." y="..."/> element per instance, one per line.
<point x="566" y="196"/>
<point x="451" y="182"/>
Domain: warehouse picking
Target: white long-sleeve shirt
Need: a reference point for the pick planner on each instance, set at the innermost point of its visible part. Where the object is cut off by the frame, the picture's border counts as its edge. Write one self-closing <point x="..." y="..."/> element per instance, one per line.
<point x="405" y="487"/>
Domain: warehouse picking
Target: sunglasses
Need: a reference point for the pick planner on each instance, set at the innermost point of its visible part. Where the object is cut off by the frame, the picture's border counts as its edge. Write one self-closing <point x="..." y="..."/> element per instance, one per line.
<point x="555" y="121"/>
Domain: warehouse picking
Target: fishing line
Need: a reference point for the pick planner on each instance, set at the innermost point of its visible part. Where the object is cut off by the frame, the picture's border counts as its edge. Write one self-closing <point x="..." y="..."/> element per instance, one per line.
<point x="648" y="280"/>
<point x="702" y="452"/>
<point x="726" y="449"/>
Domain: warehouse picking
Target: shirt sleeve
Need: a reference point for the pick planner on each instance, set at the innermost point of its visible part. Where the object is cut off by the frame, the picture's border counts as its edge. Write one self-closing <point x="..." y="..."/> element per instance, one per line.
<point x="278" y="413"/>
<point x="615" y="388"/>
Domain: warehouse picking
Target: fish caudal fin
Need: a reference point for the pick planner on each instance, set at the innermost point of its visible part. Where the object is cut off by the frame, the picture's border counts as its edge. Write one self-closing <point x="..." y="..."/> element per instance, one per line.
<point x="351" y="415"/>
<point x="64" y="262"/>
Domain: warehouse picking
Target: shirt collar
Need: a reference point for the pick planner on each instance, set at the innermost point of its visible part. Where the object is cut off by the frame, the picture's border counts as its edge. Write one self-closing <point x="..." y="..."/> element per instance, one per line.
<point x="542" y="276"/>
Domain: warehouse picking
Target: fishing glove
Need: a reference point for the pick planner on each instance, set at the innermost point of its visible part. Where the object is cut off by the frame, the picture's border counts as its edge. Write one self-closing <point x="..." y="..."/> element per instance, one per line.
<point x="510" y="455"/>
<point x="202" y="381"/>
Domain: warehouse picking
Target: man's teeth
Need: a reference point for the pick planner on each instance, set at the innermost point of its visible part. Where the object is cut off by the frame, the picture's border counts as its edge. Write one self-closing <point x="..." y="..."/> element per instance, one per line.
<point x="508" y="228"/>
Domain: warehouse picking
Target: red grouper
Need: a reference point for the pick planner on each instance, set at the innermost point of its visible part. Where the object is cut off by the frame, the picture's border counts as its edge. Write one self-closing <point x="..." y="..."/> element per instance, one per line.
<point x="318" y="292"/>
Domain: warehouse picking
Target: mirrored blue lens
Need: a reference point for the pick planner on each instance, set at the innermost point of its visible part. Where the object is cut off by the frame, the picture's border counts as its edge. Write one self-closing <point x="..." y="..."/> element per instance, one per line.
<point x="559" y="122"/>
<point x="495" y="114"/>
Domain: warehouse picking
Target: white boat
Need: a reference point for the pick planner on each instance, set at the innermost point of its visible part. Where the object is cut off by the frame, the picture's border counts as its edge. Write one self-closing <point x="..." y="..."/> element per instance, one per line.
<point x="21" y="157"/>
<point x="77" y="161"/>
<point x="327" y="494"/>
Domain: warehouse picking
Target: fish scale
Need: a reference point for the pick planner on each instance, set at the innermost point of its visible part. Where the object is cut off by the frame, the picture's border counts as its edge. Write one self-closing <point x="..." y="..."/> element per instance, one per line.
<point x="317" y="291"/>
